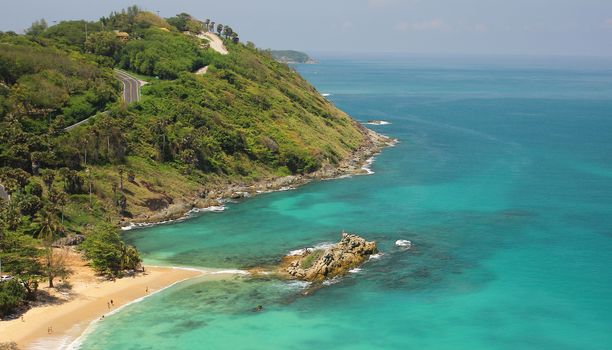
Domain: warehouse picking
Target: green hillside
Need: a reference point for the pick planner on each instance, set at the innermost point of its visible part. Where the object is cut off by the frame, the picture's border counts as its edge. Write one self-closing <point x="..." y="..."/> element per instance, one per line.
<point x="247" y="119"/>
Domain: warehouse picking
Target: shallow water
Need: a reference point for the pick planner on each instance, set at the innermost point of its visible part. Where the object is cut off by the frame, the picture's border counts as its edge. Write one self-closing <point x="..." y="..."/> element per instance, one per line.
<point x="502" y="181"/>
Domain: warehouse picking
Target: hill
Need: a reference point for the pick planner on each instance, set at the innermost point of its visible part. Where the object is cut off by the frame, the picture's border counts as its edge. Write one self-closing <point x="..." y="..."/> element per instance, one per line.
<point x="249" y="124"/>
<point x="291" y="56"/>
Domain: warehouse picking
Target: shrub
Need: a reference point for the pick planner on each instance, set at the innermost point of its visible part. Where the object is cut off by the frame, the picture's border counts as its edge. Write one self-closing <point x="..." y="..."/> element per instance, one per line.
<point x="12" y="294"/>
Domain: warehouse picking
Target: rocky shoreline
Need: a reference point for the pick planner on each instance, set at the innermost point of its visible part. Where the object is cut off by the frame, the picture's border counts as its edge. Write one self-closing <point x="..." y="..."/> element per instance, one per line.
<point x="213" y="200"/>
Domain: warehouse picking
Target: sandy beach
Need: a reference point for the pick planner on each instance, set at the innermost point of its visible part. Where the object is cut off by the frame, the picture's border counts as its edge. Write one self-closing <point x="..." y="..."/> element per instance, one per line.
<point x="69" y="313"/>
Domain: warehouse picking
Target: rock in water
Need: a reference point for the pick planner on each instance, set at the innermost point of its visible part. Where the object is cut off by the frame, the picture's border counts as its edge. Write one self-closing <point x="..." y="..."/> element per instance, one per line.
<point x="338" y="259"/>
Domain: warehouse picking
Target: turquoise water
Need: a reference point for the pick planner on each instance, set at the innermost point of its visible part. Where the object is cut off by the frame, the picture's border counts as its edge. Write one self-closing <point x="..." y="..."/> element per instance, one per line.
<point x="502" y="181"/>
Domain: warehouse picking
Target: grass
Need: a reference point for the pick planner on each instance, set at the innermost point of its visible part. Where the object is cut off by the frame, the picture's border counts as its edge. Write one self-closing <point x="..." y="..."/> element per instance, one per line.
<point x="310" y="259"/>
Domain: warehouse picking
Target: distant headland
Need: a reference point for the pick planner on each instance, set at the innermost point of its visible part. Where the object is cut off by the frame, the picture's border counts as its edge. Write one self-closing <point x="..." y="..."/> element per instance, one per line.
<point x="292" y="56"/>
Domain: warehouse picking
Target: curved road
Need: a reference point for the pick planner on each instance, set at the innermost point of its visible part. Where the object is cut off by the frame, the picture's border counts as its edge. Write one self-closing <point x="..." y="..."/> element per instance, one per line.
<point x="131" y="86"/>
<point x="131" y="93"/>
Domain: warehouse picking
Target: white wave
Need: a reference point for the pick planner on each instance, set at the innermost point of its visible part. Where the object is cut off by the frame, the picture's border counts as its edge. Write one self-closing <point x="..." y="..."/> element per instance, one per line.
<point x="212" y="209"/>
<point x="367" y="166"/>
<point x="355" y="270"/>
<point x="189" y="214"/>
<point x="377" y="122"/>
<point x="332" y="281"/>
<point x="325" y="95"/>
<point x="376" y="256"/>
<point x="298" y="252"/>
<point x="299" y="285"/>
<point x="128" y="227"/>
<point x="323" y="246"/>
<point x="133" y="225"/>
<point x="404" y="243"/>
<point x="320" y="246"/>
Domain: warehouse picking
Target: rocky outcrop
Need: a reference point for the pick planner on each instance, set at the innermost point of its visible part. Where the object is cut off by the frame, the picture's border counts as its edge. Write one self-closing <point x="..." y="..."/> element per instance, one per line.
<point x="319" y="265"/>
<point x="70" y="240"/>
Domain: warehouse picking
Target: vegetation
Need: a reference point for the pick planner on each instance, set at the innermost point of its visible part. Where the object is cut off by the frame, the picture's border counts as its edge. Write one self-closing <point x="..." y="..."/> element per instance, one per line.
<point x="107" y="252"/>
<point x="291" y="56"/>
<point x="248" y="118"/>
<point x="311" y="258"/>
<point x="11" y="295"/>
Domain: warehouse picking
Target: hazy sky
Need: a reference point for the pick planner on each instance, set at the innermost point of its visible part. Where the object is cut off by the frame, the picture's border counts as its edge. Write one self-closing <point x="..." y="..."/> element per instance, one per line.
<point x="567" y="27"/>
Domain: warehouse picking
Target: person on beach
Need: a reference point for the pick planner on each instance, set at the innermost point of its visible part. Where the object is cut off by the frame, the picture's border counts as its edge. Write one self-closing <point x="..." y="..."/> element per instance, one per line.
<point x="112" y="304"/>
<point x="22" y="320"/>
<point x="108" y="305"/>
<point x="49" y="329"/>
<point x="147" y="290"/>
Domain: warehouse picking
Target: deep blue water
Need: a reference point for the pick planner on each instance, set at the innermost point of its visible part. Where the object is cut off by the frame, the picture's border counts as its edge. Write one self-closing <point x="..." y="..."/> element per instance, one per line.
<point x="502" y="181"/>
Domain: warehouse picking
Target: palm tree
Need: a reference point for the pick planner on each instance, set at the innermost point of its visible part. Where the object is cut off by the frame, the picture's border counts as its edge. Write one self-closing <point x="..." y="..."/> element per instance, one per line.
<point x="121" y="170"/>
<point x="48" y="229"/>
<point x="90" y="185"/>
<point x="48" y="177"/>
<point x="219" y="28"/>
<point x="227" y="32"/>
<point x="59" y="200"/>
<point x="130" y="259"/>
<point x="47" y="226"/>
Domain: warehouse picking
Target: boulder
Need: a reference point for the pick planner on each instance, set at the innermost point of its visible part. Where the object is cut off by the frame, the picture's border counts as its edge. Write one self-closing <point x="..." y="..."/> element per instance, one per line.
<point x="70" y="240"/>
<point x="318" y="265"/>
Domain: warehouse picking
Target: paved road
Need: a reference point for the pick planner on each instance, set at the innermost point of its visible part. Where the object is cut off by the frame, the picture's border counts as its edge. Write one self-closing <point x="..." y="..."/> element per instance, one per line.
<point x="131" y="93"/>
<point x="131" y="86"/>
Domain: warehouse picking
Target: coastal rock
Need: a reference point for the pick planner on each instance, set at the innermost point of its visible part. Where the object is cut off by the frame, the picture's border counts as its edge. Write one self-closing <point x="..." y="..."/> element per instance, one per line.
<point x="317" y="265"/>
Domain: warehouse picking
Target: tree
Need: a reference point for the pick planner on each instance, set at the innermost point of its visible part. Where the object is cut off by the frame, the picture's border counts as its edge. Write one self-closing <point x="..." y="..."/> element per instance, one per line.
<point x="89" y="186"/>
<point x="54" y="261"/>
<point x="40" y="94"/>
<point x="58" y="200"/>
<point x="108" y="254"/>
<point x="227" y="32"/>
<point x="73" y="182"/>
<point x="130" y="258"/>
<point x="20" y="256"/>
<point x="219" y="28"/>
<point x="103" y="43"/>
<point x="194" y="26"/>
<point x="121" y="171"/>
<point x="37" y="28"/>
<point x="11" y="296"/>
<point x="48" y="176"/>
<point x="235" y="38"/>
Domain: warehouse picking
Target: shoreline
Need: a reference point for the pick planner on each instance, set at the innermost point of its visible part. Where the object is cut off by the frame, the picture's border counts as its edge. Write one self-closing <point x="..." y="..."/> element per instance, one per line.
<point x="72" y="317"/>
<point x="357" y="163"/>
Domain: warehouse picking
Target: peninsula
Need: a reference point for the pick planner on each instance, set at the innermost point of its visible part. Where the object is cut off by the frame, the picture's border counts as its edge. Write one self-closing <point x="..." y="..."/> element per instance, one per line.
<point x="138" y="120"/>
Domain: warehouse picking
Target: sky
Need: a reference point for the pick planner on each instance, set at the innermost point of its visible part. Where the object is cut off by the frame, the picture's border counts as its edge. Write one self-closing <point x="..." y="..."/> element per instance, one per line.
<point x="521" y="27"/>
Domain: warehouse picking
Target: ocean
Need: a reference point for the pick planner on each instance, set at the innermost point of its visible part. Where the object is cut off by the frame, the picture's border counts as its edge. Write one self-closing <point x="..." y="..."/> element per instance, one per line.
<point x="502" y="181"/>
